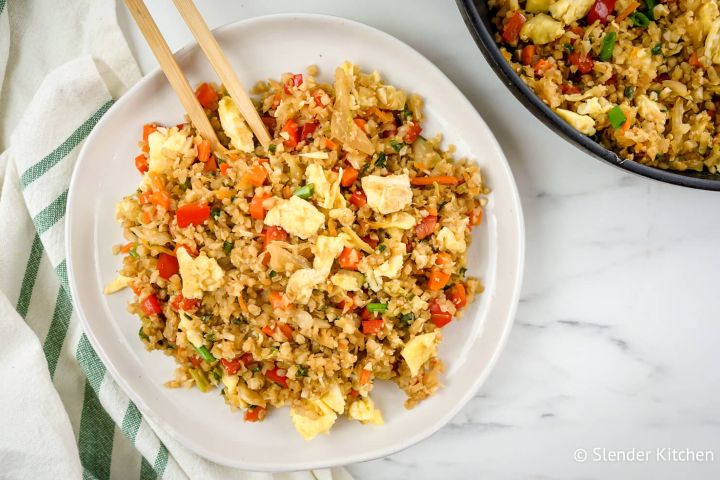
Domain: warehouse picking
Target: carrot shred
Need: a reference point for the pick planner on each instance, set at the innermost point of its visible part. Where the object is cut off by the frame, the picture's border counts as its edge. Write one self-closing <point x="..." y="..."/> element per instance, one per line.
<point x="440" y="179"/>
<point x="364" y="377"/>
<point x="632" y="6"/>
<point x="127" y="247"/>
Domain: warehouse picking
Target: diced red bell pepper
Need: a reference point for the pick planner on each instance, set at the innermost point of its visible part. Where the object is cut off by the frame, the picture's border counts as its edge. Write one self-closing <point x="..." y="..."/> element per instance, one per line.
<point x="294" y="81"/>
<point x="291" y="128"/>
<point x="349" y="176"/>
<point x="207" y="96"/>
<point x="358" y="198"/>
<point x="370" y="241"/>
<point x="255" y="414"/>
<point x="151" y="305"/>
<point x="270" y="122"/>
<point x="232" y="366"/>
<point x="413" y="132"/>
<point x="600" y="11"/>
<point x="527" y="57"/>
<point x="195" y="361"/>
<point x="456" y="294"/>
<point x="371" y="327"/>
<point x="437" y="279"/>
<point x="186" y="304"/>
<point x="438" y="316"/>
<point x="307" y="130"/>
<point x="274" y="233"/>
<point x="167" y="265"/>
<point x="257" y="211"/>
<point x="582" y="61"/>
<point x="511" y="31"/>
<point x="192" y="214"/>
<point x="426" y="227"/>
<point x="274" y="376"/>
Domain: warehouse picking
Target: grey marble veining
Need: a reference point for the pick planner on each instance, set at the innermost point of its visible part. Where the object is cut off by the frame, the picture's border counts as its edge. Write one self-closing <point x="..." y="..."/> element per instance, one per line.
<point x="617" y="338"/>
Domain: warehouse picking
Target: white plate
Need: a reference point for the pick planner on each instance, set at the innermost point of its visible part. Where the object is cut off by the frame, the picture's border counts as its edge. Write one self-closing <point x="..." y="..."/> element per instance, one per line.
<point x="261" y="48"/>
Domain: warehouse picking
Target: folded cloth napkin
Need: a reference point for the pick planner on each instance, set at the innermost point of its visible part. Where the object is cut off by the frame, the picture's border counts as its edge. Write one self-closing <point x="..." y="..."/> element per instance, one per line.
<point x="63" y="415"/>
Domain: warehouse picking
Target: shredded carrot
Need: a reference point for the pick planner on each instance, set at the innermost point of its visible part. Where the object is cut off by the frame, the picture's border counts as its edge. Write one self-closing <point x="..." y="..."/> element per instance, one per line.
<point x="695" y="61"/>
<point x="243" y="305"/>
<point x="632" y="6"/>
<point x="360" y="123"/>
<point x="384" y="117"/>
<point x="364" y="377"/>
<point x="330" y="145"/>
<point x="127" y="247"/>
<point x="432" y="211"/>
<point x="268" y="331"/>
<point x="203" y="151"/>
<point x="147" y="216"/>
<point x="441" y="179"/>
<point x="626" y="125"/>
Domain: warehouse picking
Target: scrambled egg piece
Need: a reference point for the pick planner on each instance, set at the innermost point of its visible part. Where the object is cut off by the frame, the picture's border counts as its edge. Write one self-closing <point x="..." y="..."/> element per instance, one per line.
<point x="391" y="268"/>
<point x="582" y="123"/>
<point x="348" y="281"/>
<point x="363" y="409"/>
<point x="707" y="14"/>
<point x="327" y="191"/>
<point x="230" y="382"/>
<point x="198" y="274"/>
<point x="390" y="98"/>
<point x="418" y="351"/>
<point x="118" y="284"/>
<point x="569" y="11"/>
<point x="241" y="137"/>
<point x="165" y="145"/>
<point x="537" y="6"/>
<point x="387" y="194"/>
<point x="452" y="240"/>
<point x="401" y="220"/>
<point x="344" y="215"/>
<point x="712" y="42"/>
<point x="190" y="325"/>
<point x="542" y="29"/>
<point x="594" y="107"/>
<point x="650" y="110"/>
<point x="301" y="283"/>
<point x="326" y="410"/>
<point x="297" y="216"/>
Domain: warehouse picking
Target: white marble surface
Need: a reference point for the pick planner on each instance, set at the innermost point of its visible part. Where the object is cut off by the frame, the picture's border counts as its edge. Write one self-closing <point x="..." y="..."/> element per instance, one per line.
<point x="616" y="339"/>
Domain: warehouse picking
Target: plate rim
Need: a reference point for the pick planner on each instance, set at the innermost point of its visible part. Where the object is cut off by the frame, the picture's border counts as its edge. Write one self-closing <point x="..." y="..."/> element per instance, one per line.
<point x="433" y="427"/>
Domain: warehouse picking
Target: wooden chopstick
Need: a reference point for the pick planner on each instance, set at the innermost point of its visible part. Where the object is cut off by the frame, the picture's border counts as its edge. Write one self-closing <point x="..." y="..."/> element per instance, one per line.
<point x="222" y="67"/>
<point x="172" y="71"/>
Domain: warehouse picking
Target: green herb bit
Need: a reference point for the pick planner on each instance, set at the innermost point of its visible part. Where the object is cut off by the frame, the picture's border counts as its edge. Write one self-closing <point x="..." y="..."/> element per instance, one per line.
<point x="188" y="184"/>
<point x="569" y="47"/>
<point x="608" y="44"/>
<point x="462" y="271"/>
<point x="407" y="319"/>
<point x="629" y="92"/>
<point x="205" y="318"/>
<point x="143" y="335"/>
<point x="406" y="114"/>
<point x="272" y="274"/>
<point x="217" y="373"/>
<point x="617" y="117"/>
<point x="205" y="353"/>
<point x="639" y="19"/>
<point x="272" y="147"/>
<point x="382" y="247"/>
<point x="133" y="252"/>
<point x="657" y="49"/>
<point x="397" y="146"/>
<point x="305" y="192"/>
<point x="215" y="213"/>
<point x="302" y="371"/>
<point x="381" y="161"/>
<point x="210" y="337"/>
<point x="227" y="246"/>
<point x="650" y="9"/>
<point x="200" y="380"/>
<point x="255" y="368"/>
<point x="377" y="307"/>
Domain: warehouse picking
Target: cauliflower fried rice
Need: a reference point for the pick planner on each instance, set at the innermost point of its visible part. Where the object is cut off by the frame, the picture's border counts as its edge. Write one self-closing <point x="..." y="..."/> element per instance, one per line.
<point x="300" y="275"/>
<point x="640" y="77"/>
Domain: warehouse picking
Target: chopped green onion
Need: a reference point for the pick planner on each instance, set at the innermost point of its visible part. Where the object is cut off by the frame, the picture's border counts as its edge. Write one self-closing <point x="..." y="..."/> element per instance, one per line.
<point x="381" y="161"/>
<point x="227" y="246"/>
<point x="206" y="318"/>
<point x="407" y="319"/>
<point x="629" y="92"/>
<point x="210" y="336"/>
<point x="608" y="44"/>
<point x="462" y="271"/>
<point x="215" y="213"/>
<point x="143" y="335"/>
<point x="217" y="373"/>
<point x="396" y="146"/>
<point x="272" y="147"/>
<point x="406" y="114"/>
<point x="569" y="47"/>
<point x="305" y="192"/>
<point x="657" y="49"/>
<point x="205" y="353"/>
<point x="236" y="321"/>
<point x="188" y="184"/>
<point x="639" y="19"/>
<point x="382" y="247"/>
<point x="377" y="307"/>
<point x="616" y="116"/>
<point x="200" y="380"/>
<point x="272" y="274"/>
<point x="302" y="371"/>
<point x="650" y="8"/>
<point x="255" y="368"/>
<point x="133" y="252"/>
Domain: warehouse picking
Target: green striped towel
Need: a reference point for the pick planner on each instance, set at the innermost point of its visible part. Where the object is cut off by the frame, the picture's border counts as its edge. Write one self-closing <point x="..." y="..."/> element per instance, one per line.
<point x="63" y="415"/>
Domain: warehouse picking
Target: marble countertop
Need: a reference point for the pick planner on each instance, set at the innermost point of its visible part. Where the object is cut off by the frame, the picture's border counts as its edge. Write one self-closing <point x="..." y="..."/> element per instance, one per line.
<point x="615" y="346"/>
